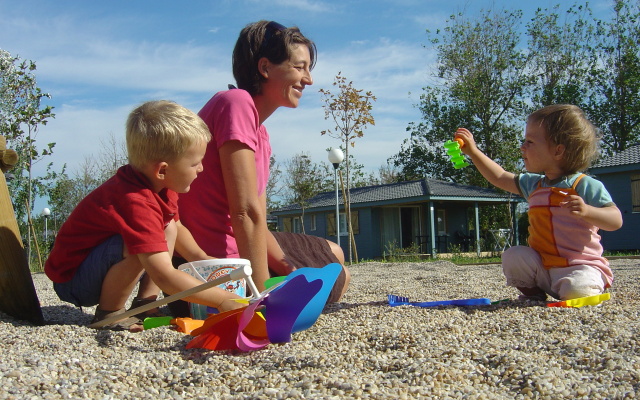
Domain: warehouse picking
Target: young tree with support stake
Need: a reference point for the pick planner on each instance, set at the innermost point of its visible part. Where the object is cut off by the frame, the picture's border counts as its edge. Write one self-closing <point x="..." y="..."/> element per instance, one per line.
<point x="21" y="114"/>
<point x="350" y="109"/>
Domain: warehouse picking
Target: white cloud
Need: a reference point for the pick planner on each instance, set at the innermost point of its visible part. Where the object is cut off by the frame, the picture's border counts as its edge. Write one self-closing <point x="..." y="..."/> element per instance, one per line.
<point x="97" y="74"/>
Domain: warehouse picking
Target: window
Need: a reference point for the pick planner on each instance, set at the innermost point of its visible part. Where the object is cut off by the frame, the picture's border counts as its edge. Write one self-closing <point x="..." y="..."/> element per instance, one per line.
<point x="313" y="226"/>
<point x="343" y="224"/>
<point x="292" y="224"/>
<point x="441" y="219"/>
<point x="635" y="193"/>
<point x="297" y="225"/>
<point x="331" y="224"/>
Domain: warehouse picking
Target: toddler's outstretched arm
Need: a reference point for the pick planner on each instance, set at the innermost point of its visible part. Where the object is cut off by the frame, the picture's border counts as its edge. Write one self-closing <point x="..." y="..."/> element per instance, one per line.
<point x="493" y="172"/>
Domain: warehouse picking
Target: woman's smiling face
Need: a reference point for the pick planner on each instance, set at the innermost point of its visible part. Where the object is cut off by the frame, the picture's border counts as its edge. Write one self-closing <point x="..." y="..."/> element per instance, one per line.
<point x="286" y="81"/>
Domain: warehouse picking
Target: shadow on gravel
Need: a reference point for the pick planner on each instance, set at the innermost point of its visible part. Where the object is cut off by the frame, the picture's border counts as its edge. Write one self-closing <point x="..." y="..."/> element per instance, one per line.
<point x="54" y="315"/>
<point x="65" y="315"/>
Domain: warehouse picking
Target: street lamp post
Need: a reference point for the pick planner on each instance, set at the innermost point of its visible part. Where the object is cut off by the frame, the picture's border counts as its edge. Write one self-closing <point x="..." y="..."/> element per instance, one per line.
<point x="45" y="213"/>
<point x="335" y="157"/>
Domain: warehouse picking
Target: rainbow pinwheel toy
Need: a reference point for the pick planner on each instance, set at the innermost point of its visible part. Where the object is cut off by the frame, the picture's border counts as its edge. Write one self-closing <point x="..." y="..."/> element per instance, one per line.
<point x="290" y="306"/>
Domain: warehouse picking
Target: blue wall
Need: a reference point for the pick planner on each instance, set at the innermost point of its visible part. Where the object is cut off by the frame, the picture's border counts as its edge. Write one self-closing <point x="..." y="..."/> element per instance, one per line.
<point x="627" y="237"/>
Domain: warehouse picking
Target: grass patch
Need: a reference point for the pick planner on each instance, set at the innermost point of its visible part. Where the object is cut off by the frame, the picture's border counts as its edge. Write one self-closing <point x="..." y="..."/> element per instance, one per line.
<point x="467" y="260"/>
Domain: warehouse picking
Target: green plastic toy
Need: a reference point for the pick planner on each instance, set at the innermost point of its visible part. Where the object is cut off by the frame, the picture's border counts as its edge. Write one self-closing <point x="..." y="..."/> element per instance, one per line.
<point x="582" y="301"/>
<point x="154" y="322"/>
<point x="453" y="150"/>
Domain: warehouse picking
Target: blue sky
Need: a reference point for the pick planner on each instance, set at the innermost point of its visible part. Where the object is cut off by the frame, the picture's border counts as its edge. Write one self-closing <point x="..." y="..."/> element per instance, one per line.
<point x="98" y="60"/>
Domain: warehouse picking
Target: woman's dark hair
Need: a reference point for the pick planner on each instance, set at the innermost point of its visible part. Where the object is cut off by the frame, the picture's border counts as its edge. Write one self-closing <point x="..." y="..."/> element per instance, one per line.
<point x="264" y="39"/>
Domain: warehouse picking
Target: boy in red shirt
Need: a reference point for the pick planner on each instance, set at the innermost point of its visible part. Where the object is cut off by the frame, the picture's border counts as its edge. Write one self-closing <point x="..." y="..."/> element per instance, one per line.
<point x="126" y="230"/>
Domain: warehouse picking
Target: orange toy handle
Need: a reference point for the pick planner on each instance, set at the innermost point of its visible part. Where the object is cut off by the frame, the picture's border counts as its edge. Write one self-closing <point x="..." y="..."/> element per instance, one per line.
<point x="460" y="142"/>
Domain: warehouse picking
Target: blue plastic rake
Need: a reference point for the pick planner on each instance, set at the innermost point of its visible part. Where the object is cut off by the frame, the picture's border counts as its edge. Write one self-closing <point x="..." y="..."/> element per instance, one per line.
<point x="404" y="301"/>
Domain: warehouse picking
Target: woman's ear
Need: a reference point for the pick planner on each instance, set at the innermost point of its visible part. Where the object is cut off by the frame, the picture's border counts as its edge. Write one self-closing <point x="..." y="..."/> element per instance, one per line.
<point x="263" y="67"/>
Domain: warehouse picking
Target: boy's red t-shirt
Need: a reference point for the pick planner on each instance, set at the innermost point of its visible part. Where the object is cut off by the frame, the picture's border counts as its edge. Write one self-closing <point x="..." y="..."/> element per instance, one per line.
<point x="124" y="205"/>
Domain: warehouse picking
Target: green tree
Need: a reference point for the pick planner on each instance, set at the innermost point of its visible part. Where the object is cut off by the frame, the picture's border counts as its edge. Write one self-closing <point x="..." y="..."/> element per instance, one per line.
<point x="614" y="104"/>
<point x="273" y="190"/>
<point x="21" y="114"/>
<point x="350" y="110"/>
<point x="483" y="86"/>
<point x="561" y="55"/>
<point x="303" y="180"/>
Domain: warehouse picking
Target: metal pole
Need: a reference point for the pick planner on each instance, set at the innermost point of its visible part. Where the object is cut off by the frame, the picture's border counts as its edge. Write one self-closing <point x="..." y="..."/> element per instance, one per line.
<point x="335" y="170"/>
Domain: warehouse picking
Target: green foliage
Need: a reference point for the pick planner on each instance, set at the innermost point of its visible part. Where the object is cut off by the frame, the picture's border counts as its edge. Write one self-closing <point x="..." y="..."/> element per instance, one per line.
<point x="614" y="103"/>
<point x="482" y="80"/>
<point x="21" y="114"/>
<point x="303" y="180"/>
<point x="393" y="253"/>
<point x="488" y="81"/>
<point x="561" y="56"/>
<point x="273" y="189"/>
<point x="350" y="110"/>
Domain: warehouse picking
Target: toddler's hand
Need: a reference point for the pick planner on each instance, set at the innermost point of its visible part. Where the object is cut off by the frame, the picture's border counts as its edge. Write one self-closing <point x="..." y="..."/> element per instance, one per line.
<point x="467" y="137"/>
<point x="576" y="205"/>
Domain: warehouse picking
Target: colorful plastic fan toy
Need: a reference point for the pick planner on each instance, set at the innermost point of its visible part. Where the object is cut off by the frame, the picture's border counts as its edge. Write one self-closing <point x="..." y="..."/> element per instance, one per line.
<point x="287" y="307"/>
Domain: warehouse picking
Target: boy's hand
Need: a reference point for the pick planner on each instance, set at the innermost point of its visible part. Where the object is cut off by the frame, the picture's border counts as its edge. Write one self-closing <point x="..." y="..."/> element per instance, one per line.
<point x="467" y="137"/>
<point x="230" y="304"/>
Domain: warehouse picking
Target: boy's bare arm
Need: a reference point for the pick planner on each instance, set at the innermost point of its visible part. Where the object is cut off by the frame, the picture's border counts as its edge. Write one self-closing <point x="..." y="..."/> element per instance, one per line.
<point x="187" y="246"/>
<point x="608" y="218"/>
<point x="491" y="170"/>
<point x="170" y="280"/>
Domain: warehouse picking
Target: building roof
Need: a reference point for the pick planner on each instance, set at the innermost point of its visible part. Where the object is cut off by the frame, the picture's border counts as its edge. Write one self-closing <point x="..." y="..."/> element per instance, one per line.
<point x="629" y="156"/>
<point x="622" y="162"/>
<point x="403" y="192"/>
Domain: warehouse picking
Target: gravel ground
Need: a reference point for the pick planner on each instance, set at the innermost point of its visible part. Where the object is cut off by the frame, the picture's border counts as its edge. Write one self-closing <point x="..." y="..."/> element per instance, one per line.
<point x="359" y="348"/>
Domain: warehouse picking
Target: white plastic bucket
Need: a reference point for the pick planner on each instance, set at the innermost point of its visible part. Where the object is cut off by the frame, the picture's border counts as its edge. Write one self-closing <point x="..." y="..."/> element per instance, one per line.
<point x="208" y="270"/>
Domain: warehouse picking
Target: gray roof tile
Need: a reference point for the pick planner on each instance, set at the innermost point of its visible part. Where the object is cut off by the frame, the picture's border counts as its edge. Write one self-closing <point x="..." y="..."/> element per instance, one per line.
<point x="629" y="156"/>
<point x="425" y="188"/>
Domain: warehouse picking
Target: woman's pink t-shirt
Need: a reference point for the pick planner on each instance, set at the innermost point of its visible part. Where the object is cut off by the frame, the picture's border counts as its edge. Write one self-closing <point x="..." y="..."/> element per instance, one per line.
<point x="204" y="210"/>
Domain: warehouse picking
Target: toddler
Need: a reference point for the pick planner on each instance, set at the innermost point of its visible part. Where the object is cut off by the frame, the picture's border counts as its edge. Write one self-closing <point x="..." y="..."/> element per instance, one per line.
<point x="566" y="207"/>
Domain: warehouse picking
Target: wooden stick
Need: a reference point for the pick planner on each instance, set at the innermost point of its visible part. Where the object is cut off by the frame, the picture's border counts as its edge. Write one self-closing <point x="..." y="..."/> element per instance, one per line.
<point x="243" y="272"/>
<point x="35" y="237"/>
<point x="352" y="241"/>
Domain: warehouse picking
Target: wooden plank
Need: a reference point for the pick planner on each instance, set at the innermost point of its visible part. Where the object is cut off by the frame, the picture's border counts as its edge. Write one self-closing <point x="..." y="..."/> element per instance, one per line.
<point x="18" y="296"/>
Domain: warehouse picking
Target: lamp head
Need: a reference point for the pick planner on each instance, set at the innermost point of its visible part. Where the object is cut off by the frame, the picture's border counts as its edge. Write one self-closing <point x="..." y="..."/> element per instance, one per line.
<point x="335" y="157"/>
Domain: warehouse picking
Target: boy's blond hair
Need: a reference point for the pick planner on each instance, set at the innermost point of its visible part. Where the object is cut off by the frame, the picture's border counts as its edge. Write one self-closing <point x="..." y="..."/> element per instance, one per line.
<point x="162" y="131"/>
<point x="567" y="125"/>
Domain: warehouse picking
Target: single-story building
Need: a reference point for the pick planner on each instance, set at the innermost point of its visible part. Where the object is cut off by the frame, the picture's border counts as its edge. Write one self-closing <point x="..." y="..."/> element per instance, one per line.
<point x="427" y="215"/>
<point x="620" y="174"/>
